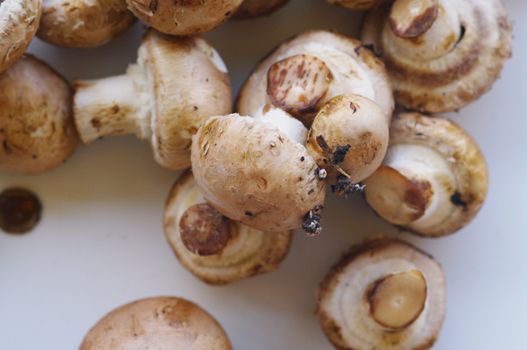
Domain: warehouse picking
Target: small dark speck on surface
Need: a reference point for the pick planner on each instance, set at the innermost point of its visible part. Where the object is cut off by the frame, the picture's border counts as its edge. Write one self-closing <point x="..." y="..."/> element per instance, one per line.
<point x="457" y="200"/>
<point x="20" y="210"/>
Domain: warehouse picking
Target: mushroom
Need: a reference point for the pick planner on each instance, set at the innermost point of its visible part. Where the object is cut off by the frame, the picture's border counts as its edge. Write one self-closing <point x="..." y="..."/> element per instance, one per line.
<point x="37" y="132"/>
<point x="83" y="24"/>
<point x="434" y="178"/>
<point x="183" y="17"/>
<point x="214" y="248"/>
<point x="357" y="4"/>
<point x="19" y="21"/>
<point x="157" y="323"/>
<point x="256" y="8"/>
<point x="440" y="54"/>
<point x="384" y="294"/>
<point x="176" y="84"/>
<point x="254" y="171"/>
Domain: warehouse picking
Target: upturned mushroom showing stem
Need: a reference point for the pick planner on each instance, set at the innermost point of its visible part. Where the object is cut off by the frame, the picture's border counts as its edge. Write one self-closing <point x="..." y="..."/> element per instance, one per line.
<point x="157" y="323"/>
<point x="440" y="54"/>
<point x="212" y="247"/>
<point x="83" y="24"/>
<point x="183" y="17"/>
<point x="176" y="84"/>
<point x="37" y="132"/>
<point x="384" y="294"/>
<point x="19" y="20"/>
<point x="434" y="178"/>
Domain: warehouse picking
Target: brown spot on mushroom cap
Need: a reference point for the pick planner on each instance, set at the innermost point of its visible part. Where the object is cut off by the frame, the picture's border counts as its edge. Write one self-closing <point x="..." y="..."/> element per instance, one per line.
<point x="20" y="210"/>
<point x="411" y="18"/>
<point x="157" y="323"/>
<point x="256" y="8"/>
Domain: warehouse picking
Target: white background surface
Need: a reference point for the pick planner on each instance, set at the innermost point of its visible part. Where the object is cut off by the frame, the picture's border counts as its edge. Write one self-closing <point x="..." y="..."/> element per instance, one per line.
<point x="100" y="243"/>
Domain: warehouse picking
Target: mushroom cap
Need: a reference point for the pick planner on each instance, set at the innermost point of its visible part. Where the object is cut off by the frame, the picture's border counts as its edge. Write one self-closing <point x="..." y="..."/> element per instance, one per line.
<point x="253" y="173"/>
<point x="36" y="124"/>
<point x="189" y="83"/>
<point x="344" y="308"/>
<point x="349" y="132"/>
<point x="183" y="17"/>
<point x="349" y="68"/>
<point x="470" y="44"/>
<point x="256" y="8"/>
<point x="157" y="323"/>
<point x="19" y="20"/>
<point x="434" y="180"/>
<point x="83" y="24"/>
<point x="357" y="4"/>
<point x="247" y="252"/>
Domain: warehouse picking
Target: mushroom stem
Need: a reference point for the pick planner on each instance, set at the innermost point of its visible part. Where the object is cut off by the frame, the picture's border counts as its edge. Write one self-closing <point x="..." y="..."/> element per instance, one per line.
<point x="113" y="106"/>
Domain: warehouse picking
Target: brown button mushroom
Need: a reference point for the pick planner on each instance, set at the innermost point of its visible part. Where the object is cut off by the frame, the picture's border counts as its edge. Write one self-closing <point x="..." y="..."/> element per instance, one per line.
<point x="185" y="17"/>
<point x="255" y="8"/>
<point x="384" y="294"/>
<point x="253" y="171"/>
<point x="157" y="323"/>
<point x="83" y="24"/>
<point x="441" y="55"/>
<point x="176" y="84"/>
<point x="216" y="249"/>
<point x="19" y="21"/>
<point x="37" y="132"/>
<point x="434" y="178"/>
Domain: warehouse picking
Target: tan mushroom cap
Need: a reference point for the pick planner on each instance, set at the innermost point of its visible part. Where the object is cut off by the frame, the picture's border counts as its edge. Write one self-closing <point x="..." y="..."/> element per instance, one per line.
<point x="157" y="323"/>
<point x="36" y="125"/>
<point x="244" y="253"/>
<point x="349" y="134"/>
<point x="434" y="179"/>
<point x="305" y="72"/>
<point x="19" y="20"/>
<point x="83" y="24"/>
<point x="443" y="54"/>
<point x="183" y="17"/>
<point x="357" y="4"/>
<point x="256" y="8"/>
<point x="384" y="294"/>
<point x="253" y="173"/>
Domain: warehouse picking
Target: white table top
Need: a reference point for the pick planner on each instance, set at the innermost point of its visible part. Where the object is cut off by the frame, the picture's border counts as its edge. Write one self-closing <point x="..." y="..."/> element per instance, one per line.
<point x="100" y="242"/>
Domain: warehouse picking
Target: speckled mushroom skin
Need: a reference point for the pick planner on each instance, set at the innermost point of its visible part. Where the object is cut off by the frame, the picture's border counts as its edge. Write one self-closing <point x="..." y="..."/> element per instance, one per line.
<point x="157" y="323"/>
<point x="184" y="17"/>
<point x="357" y="4"/>
<point x="262" y="178"/>
<point x="256" y="8"/>
<point x="36" y="124"/>
<point x="19" y="20"/>
<point x="457" y="78"/>
<point x="83" y="23"/>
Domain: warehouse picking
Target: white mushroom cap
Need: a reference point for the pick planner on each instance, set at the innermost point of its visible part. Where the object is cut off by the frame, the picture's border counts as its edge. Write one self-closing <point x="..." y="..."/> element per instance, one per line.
<point x="19" y="21"/>
<point x="384" y="294"/>
<point x="434" y="179"/>
<point x="440" y="54"/>
<point x="256" y="8"/>
<point x="304" y="73"/>
<point x="183" y="17"/>
<point x="37" y="132"/>
<point x="357" y="4"/>
<point x="253" y="173"/>
<point x="216" y="249"/>
<point x="157" y="323"/>
<point x="176" y="85"/>
<point x="83" y="24"/>
<point x="349" y="134"/>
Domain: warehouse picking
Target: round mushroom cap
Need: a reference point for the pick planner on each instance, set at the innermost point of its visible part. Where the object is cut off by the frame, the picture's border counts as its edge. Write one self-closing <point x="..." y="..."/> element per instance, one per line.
<point x="384" y="294"/>
<point x="183" y="17"/>
<point x="253" y="173"/>
<point x="19" y="20"/>
<point x="350" y="134"/>
<point x="157" y="323"/>
<point x="256" y="8"/>
<point x="434" y="179"/>
<point x="444" y="56"/>
<point x="304" y="73"/>
<point x="36" y="123"/>
<point x="216" y="249"/>
<point x="357" y="4"/>
<point x="190" y="83"/>
<point x="83" y="24"/>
